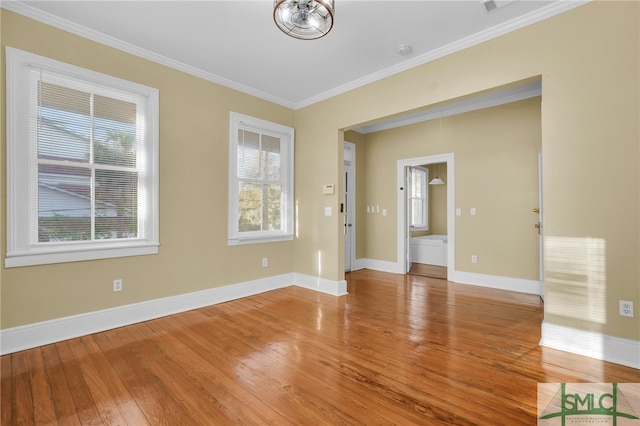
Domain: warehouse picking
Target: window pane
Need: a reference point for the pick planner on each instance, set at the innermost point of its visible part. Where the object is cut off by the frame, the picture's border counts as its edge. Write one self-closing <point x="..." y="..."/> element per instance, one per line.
<point x="417" y="182"/>
<point x="114" y="132"/>
<point x="64" y="123"/>
<point x="248" y="154"/>
<point x="64" y="203"/>
<point x="249" y="207"/>
<point x="116" y="207"/>
<point x="416" y="212"/>
<point x="270" y="158"/>
<point x="273" y="207"/>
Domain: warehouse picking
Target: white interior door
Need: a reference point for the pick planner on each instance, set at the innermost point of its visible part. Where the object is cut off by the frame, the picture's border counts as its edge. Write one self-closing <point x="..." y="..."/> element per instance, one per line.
<point x="407" y="228"/>
<point x="540" y="227"/>
<point x="348" y="205"/>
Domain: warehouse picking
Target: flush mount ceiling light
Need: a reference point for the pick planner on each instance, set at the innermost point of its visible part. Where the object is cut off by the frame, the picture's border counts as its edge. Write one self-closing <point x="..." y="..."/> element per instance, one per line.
<point x="304" y="19"/>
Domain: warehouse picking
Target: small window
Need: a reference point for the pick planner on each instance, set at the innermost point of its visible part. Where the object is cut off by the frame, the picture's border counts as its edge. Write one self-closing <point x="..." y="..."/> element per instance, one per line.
<point x="260" y="181"/>
<point x="82" y="174"/>
<point x="418" y="198"/>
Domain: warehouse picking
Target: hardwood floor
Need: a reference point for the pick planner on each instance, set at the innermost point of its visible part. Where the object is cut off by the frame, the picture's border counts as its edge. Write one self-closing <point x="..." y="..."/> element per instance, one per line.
<point x="431" y="271"/>
<point x="397" y="350"/>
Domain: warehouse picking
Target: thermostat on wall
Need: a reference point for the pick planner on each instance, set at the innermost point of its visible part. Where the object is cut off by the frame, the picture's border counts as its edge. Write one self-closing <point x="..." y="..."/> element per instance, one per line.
<point x="327" y="189"/>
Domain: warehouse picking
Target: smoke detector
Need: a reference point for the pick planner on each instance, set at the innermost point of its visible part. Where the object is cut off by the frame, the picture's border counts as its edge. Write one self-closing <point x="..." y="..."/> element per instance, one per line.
<point x="404" y="50"/>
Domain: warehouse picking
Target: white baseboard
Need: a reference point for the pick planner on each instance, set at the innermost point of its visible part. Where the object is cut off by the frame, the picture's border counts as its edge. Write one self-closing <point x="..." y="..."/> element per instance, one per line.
<point x="46" y="332"/>
<point x="482" y="280"/>
<point x="496" y="281"/>
<point x="335" y="288"/>
<point x="378" y="265"/>
<point x="591" y="344"/>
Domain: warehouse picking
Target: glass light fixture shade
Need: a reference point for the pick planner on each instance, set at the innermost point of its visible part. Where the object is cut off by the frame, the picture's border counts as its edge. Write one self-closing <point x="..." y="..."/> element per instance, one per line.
<point x="304" y="19"/>
<point x="436" y="181"/>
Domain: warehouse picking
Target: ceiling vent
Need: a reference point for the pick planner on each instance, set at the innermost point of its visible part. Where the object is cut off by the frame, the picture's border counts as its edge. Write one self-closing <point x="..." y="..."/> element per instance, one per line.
<point x="489" y="6"/>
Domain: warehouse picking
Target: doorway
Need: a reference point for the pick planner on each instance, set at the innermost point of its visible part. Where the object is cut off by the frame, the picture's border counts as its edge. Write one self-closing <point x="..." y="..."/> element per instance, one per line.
<point x="403" y="230"/>
<point x="348" y="205"/>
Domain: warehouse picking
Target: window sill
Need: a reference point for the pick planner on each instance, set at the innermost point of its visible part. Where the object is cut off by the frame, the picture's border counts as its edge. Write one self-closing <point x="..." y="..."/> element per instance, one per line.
<point x="256" y="240"/>
<point x="78" y="254"/>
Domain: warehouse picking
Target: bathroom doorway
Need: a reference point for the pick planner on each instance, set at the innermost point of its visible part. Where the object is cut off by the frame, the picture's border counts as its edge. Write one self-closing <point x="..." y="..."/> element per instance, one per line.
<point x="404" y="230"/>
<point x="427" y="220"/>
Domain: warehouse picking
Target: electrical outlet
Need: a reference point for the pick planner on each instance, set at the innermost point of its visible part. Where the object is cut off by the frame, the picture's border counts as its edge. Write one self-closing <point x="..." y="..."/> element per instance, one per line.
<point x="626" y="308"/>
<point x="117" y="285"/>
<point x="265" y="262"/>
<point x="474" y="259"/>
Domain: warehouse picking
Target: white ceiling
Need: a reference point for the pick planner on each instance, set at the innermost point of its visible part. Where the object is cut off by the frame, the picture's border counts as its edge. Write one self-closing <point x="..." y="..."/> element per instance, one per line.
<point x="236" y="43"/>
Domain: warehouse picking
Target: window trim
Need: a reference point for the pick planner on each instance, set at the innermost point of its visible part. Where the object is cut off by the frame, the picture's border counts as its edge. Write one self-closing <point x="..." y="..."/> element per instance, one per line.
<point x="424" y="198"/>
<point x="21" y="249"/>
<point x="286" y="134"/>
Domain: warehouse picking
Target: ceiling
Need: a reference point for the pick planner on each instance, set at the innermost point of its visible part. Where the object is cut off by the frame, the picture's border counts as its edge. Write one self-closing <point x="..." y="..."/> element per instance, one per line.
<point x="237" y="44"/>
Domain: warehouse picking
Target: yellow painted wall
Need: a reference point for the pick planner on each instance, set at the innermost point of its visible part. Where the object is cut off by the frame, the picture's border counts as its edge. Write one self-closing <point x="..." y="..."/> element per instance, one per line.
<point x="194" y="139"/>
<point x="496" y="171"/>
<point x="588" y="59"/>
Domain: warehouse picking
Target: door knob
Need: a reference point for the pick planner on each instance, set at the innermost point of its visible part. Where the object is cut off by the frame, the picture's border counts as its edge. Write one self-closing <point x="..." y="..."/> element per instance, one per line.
<point x="536" y="210"/>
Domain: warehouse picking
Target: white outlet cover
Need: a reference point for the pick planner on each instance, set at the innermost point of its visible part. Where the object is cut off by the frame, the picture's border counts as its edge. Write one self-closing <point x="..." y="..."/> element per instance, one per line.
<point x="626" y="308"/>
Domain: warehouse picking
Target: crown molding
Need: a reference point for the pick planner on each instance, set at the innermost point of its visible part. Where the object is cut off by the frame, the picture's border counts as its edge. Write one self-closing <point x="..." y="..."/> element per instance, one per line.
<point x="488" y="100"/>
<point x="82" y="31"/>
<point x="480" y="37"/>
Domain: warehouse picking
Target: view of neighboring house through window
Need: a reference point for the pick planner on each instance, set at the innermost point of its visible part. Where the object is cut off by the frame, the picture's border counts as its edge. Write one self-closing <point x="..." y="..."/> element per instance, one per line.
<point x="87" y="175"/>
<point x="84" y="146"/>
<point x="260" y="181"/>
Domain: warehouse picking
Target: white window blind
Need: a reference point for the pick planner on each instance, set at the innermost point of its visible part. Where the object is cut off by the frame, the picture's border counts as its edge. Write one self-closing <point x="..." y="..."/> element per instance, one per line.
<point x="260" y="194"/>
<point x="87" y="179"/>
<point x="87" y="157"/>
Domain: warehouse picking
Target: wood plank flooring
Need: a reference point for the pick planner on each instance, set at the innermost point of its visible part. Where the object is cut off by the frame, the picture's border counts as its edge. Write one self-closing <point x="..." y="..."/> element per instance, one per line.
<point x="397" y="350"/>
<point x="431" y="271"/>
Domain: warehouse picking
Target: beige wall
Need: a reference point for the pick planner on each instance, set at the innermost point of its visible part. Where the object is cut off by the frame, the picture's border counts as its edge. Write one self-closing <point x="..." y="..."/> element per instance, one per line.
<point x="438" y="200"/>
<point x="496" y="171"/>
<point x="194" y="129"/>
<point x="588" y="59"/>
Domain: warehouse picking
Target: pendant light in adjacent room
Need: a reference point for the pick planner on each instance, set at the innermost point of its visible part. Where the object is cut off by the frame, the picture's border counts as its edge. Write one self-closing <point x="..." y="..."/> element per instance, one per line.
<point x="436" y="180"/>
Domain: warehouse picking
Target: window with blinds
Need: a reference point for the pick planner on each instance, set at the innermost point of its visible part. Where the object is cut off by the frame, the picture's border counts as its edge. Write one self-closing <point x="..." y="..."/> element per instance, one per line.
<point x="260" y="181"/>
<point x="418" y="198"/>
<point x="84" y="146"/>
